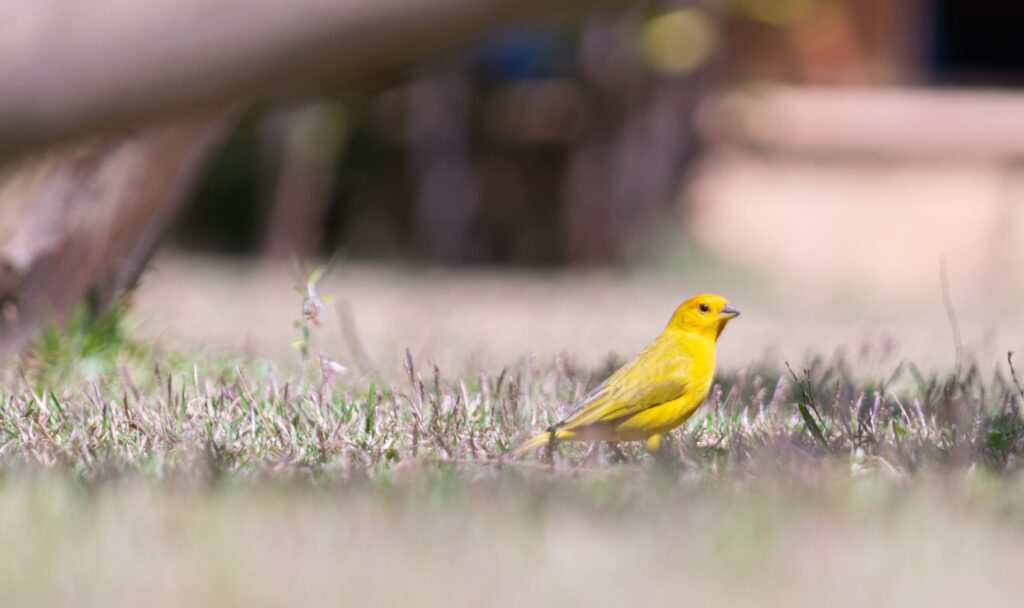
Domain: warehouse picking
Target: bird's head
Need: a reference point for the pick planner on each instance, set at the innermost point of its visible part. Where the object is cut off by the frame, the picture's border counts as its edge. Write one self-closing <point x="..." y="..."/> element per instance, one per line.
<point x="706" y="314"/>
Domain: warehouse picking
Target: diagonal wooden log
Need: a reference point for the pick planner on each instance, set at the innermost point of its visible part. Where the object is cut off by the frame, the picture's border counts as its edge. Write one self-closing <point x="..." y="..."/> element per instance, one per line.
<point x="71" y="68"/>
<point x="81" y="222"/>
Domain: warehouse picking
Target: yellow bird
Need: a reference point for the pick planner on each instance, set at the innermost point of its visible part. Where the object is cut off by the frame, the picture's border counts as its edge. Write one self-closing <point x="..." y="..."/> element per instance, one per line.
<point x="658" y="390"/>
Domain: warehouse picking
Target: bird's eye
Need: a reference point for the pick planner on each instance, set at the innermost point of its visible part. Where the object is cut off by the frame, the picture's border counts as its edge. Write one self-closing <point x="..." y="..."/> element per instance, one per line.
<point x="704" y="307"/>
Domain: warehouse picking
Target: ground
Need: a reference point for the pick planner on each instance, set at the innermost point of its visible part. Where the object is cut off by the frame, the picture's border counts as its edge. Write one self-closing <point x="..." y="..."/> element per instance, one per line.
<point x="486" y="318"/>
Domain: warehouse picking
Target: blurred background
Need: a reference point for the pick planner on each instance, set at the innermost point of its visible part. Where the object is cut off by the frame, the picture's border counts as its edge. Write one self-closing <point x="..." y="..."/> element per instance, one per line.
<point x="599" y="140"/>
<point x="552" y="183"/>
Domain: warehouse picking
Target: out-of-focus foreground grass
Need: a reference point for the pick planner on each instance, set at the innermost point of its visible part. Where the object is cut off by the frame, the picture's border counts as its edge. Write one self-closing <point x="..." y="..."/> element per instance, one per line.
<point x="596" y="539"/>
<point x="130" y="473"/>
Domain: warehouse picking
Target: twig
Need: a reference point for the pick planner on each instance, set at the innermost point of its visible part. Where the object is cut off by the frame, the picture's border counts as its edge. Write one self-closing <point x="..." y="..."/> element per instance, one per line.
<point x="947" y="301"/>
<point x="1013" y="373"/>
<point x="351" y="337"/>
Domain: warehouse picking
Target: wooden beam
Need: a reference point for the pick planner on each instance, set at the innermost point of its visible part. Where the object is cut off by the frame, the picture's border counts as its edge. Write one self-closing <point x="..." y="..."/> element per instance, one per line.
<point x="892" y="122"/>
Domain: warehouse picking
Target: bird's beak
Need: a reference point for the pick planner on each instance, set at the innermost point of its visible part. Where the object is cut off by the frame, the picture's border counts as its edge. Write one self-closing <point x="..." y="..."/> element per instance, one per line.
<point x="729" y="312"/>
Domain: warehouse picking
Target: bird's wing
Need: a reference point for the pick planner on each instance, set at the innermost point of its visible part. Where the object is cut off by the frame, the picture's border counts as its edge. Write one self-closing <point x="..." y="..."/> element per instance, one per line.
<point x="643" y="383"/>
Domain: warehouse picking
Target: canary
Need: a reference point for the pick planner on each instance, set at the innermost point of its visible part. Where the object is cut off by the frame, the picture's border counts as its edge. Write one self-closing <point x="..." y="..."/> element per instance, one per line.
<point x="655" y="392"/>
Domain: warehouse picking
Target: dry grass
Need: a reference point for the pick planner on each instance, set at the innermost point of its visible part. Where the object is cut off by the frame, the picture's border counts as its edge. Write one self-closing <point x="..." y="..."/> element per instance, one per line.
<point x="175" y="417"/>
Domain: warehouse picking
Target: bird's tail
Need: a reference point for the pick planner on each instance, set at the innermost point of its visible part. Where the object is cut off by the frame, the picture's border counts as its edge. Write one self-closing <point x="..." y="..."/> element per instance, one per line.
<point x="533" y="443"/>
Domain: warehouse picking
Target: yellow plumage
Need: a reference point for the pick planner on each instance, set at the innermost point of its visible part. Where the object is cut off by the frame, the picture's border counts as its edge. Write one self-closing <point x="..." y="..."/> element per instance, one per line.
<point x="655" y="392"/>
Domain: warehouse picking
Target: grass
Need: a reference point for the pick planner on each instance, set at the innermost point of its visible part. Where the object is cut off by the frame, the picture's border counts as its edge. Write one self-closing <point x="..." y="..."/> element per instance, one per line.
<point x="171" y="416"/>
<point x="133" y="475"/>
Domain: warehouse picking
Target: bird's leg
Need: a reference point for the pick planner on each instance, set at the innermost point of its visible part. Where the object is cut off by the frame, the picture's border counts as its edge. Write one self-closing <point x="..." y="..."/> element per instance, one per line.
<point x="549" y="447"/>
<point x="591" y="453"/>
<point x="620" y="456"/>
<point x="661" y="451"/>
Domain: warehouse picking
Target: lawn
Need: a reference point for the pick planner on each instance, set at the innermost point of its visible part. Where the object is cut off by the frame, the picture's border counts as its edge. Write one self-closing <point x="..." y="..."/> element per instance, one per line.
<point x="136" y="469"/>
